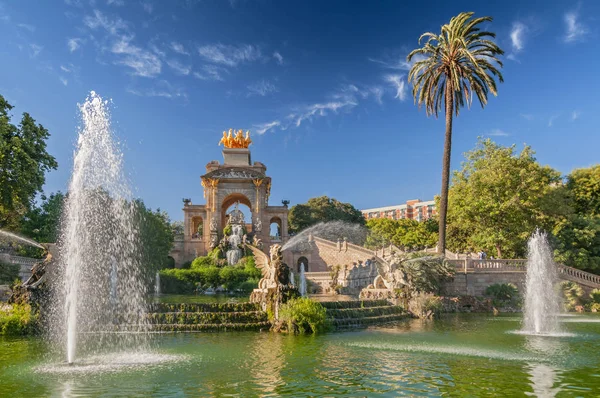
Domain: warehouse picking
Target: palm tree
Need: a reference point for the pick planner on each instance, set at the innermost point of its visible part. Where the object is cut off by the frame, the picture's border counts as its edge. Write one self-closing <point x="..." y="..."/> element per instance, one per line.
<point x="450" y="69"/>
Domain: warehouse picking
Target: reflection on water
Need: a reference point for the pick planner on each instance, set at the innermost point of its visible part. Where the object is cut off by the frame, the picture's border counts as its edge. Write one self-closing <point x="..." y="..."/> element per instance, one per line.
<point x="455" y="356"/>
<point x="543" y="378"/>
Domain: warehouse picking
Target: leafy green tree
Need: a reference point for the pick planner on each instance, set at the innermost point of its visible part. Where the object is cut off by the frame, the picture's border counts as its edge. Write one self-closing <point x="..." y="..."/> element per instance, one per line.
<point x="405" y="233"/>
<point x="584" y="185"/>
<point x="42" y="223"/>
<point x="450" y="69"/>
<point x="24" y="163"/>
<point x="156" y="237"/>
<point x="500" y="197"/>
<point x="322" y="209"/>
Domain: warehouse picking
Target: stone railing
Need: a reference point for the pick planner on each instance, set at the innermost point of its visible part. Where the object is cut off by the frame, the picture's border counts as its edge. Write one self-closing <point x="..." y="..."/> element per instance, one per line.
<point x="9" y="259"/>
<point x="500" y="265"/>
<point x="579" y="276"/>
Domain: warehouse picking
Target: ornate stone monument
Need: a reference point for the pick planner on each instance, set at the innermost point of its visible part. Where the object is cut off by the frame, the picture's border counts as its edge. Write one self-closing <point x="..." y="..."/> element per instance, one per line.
<point x="236" y="180"/>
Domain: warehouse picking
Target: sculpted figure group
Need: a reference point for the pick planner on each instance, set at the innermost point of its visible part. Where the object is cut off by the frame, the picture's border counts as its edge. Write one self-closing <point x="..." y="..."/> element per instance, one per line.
<point x="229" y="140"/>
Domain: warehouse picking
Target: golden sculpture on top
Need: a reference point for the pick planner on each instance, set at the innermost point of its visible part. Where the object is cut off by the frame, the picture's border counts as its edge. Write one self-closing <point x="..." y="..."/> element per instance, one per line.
<point x="229" y="140"/>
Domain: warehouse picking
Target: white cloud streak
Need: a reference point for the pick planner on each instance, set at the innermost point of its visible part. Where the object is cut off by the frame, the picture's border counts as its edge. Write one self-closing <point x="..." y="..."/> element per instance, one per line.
<point x="576" y="30"/>
<point x="517" y="34"/>
<point x="278" y="57"/>
<point x="260" y="129"/>
<point x="179" y="68"/>
<point x="229" y="55"/>
<point x="399" y="85"/>
<point x="162" y="89"/>
<point x="74" y="44"/>
<point x="144" y="63"/>
<point x="498" y="133"/>
<point x="63" y="81"/>
<point x="179" y="48"/>
<point x="261" y="88"/>
<point x="25" y="26"/>
<point x="575" y="115"/>
<point x="209" y="72"/>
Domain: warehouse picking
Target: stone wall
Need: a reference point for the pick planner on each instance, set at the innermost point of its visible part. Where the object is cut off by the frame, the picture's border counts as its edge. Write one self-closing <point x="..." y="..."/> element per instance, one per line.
<point x="475" y="283"/>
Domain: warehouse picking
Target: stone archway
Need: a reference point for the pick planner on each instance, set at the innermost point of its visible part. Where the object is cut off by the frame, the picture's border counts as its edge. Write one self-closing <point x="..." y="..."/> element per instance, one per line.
<point x="197" y="227"/>
<point x="300" y="261"/>
<point x="230" y="200"/>
<point x="275" y="229"/>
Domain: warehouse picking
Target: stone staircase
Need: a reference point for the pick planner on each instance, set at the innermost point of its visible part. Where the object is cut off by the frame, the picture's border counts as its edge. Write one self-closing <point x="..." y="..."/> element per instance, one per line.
<point x="166" y="317"/>
<point x="351" y="314"/>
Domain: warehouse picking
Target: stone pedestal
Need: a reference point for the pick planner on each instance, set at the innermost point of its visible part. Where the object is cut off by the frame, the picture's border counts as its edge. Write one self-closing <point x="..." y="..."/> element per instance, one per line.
<point x="236" y="157"/>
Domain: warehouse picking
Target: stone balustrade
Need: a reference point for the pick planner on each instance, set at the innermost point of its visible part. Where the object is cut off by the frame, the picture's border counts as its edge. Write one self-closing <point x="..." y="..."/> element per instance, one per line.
<point x="498" y="265"/>
<point x="579" y="276"/>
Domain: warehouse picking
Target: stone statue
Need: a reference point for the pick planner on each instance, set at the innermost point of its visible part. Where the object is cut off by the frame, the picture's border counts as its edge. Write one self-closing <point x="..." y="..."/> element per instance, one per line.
<point x="213" y="224"/>
<point x="258" y="224"/>
<point x="256" y="242"/>
<point x="30" y="291"/>
<point x="214" y="240"/>
<point x="275" y="273"/>
<point x="229" y="140"/>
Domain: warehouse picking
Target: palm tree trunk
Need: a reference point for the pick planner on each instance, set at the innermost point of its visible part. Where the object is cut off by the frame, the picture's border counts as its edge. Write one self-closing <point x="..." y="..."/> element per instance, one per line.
<point x="446" y="170"/>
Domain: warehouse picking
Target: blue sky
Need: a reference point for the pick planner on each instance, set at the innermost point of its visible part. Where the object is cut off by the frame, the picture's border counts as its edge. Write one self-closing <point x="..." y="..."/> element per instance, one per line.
<point x="320" y="84"/>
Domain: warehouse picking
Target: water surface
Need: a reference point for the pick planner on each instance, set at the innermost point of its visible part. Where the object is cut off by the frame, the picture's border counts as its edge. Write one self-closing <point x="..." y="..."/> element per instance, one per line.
<point x="457" y="356"/>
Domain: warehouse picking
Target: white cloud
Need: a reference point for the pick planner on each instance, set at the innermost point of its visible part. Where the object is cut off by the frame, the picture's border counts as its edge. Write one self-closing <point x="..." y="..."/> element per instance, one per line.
<point x="162" y="89"/>
<point x="397" y="62"/>
<point x="229" y="55"/>
<point x="526" y="116"/>
<point x="320" y="109"/>
<point x="99" y="20"/>
<point x="65" y="69"/>
<point x="517" y="34"/>
<point x="144" y="63"/>
<point x="262" y="88"/>
<point x="278" y="57"/>
<point x="63" y="81"/>
<point x="25" y="26"/>
<point x="148" y="7"/>
<point x="551" y="120"/>
<point x="377" y="93"/>
<point x="35" y="50"/>
<point x="399" y="85"/>
<point x="115" y="3"/>
<point x="575" y="29"/>
<point x="74" y="44"/>
<point x="575" y="115"/>
<point x="179" y="68"/>
<point x="260" y="129"/>
<point x="179" y="48"/>
<point x="498" y="133"/>
<point x="209" y="72"/>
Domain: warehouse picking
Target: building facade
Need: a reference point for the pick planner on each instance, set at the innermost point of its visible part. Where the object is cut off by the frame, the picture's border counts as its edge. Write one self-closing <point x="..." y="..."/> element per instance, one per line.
<point x="235" y="181"/>
<point x="413" y="210"/>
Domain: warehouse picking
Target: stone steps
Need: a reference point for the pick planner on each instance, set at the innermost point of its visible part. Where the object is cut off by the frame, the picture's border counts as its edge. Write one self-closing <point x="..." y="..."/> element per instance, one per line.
<point x="212" y="327"/>
<point x="366" y="321"/>
<point x="351" y="313"/>
<point x="200" y="318"/>
<point x="337" y="305"/>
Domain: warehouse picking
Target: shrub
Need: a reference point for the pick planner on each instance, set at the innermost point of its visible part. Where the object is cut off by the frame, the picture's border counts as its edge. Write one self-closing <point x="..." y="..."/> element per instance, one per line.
<point x="302" y="315"/>
<point x="8" y="273"/>
<point x="573" y="295"/>
<point x="201" y="262"/>
<point x="178" y="281"/>
<point x="502" y="291"/>
<point x="17" y="319"/>
<point x="186" y="265"/>
<point x="595" y="296"/>
<point x="424" y="305"/>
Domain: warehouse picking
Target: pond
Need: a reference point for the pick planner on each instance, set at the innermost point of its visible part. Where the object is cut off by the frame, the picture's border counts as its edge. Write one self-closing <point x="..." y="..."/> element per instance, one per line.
<point x="458" y="355"/>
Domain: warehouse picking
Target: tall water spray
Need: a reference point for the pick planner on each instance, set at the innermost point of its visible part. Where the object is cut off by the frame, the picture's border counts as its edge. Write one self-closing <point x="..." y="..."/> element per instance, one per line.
<point x="234" y="254"/>
<point x="542" y="302"/>
<point x="157" y="284"/>
<point x="302" y="283"/>
<point x="99" y="262"/>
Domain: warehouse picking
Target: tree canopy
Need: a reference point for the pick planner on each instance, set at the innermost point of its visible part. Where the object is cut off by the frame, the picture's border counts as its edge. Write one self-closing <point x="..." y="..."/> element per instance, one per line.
<point x="406" y="234"/>
<point x="42" y="223"/>
<point x="322" y="209"/>
<point x="500" y="197"/>
<point x="24" y="163"/>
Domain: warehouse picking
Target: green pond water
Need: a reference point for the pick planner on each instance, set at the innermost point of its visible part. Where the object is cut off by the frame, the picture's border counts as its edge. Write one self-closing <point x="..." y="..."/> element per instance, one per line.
<point x="457" y="356"/>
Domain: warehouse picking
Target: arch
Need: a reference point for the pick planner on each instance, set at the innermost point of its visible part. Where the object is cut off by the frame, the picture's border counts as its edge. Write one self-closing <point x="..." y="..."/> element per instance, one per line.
<point x="275" y="229"/>
<point x="300" y="261"/>
<point x="229" y="201"/>
<point x="197" y="227"/>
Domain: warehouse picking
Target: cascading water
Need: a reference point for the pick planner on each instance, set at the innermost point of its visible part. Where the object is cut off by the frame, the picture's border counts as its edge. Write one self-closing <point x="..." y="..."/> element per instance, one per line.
<point x="234" y="254"/>
<point x="103" y="288"/>
<point x="292" y="281"/>
<point x="302" y="287"/>
<point x="542" y="302"/>
<point x="157" y="284"/>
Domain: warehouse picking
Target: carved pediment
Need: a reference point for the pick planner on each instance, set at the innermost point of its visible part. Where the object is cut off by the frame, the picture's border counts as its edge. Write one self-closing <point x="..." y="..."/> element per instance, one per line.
<point x="234" y="173"/>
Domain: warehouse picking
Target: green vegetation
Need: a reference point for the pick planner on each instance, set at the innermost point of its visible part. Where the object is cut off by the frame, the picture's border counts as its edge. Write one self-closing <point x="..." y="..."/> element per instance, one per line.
<point x="8" y="273"/>
<point x="498" y="199"/>
<point x="205" y="273"/>
<point x="502" y="291"/>
<point x="302" y="316"/>
<point x="156" y="237"/>
<point x="17" y="319"/>
<point x="322" y="209"/>
<point x="406" y="234"/>
<point x="450" y="69"/>
<point x="573" y="295"/>
<point x="42" y="223"/>
<point x="24" y="163"/>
